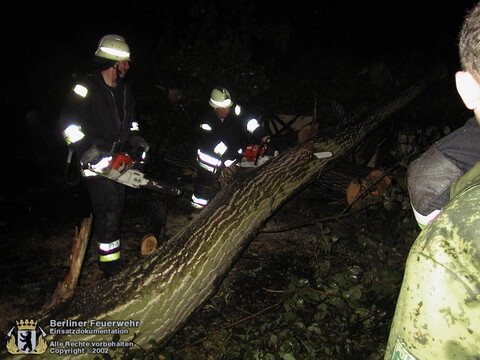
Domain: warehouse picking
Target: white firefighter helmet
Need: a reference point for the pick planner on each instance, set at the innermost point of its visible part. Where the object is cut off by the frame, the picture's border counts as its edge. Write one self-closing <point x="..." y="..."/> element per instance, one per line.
<point x="220" y="98"/>
<point x="113" y="47"/>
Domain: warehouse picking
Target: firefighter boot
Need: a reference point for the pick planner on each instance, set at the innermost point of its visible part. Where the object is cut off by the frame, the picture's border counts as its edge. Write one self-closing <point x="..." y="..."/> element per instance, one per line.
<point x="202" y="195"/>
<point x="109" y="257"/>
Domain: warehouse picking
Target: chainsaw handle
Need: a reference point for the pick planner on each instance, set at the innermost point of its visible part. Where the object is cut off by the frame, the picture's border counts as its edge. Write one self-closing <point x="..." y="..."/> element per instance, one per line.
<point x="263" y="146"/>
<point x="266" y="140"/>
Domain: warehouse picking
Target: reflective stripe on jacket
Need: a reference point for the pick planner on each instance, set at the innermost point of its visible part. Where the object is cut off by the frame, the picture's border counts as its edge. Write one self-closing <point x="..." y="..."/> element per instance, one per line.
<point x="96" y="114"/>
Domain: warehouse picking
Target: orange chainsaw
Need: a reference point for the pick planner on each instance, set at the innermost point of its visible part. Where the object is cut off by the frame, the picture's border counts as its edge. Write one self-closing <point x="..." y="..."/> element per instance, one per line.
<point x="123" y="169"/>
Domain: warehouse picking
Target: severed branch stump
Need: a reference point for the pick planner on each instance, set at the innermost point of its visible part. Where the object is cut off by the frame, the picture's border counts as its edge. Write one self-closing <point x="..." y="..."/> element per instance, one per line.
<point x="347" y="182"/>
<point x="66" y="287"/>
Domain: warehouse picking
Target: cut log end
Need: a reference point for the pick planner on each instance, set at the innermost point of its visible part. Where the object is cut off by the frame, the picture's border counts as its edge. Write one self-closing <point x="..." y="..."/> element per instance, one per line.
<point x="148" y="245"/>
<point x="375" y="183"/>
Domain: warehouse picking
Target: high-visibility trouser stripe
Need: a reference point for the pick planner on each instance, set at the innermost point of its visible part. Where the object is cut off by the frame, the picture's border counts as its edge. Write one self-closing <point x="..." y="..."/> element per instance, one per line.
<point x="109" y="251"/>
<point x="109" y="257"/>
<point x="197" y="206"/>
<point x="108" y="247"/>
<point x="199" y="203"/>
<point x="209" y="168"/>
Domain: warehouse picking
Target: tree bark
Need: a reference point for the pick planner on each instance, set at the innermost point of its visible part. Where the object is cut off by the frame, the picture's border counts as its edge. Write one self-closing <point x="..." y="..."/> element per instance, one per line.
<point x="163" y="291"/>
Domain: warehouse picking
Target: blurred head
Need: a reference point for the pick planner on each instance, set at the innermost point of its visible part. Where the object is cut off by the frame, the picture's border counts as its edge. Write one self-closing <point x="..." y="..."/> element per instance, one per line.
<point x="122" y="68"/>
<point x="222" y="112"/>
<point x="468" y="80"/>
<point x="469" y="42"/>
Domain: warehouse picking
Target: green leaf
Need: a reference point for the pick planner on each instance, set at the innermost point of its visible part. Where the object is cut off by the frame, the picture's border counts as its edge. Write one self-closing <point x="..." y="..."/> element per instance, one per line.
<point x="354" y="293"/>
<point x="315" y="329"/>
<point x="273" y="341"/>
<point x="165" y="355"/>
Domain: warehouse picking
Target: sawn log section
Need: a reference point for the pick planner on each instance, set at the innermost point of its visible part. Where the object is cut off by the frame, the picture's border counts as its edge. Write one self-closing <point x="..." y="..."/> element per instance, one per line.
<point x="165" y="289"/>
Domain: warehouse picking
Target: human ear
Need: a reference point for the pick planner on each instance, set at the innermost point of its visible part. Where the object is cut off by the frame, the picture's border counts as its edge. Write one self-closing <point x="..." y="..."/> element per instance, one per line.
<point x="468" y="88"/>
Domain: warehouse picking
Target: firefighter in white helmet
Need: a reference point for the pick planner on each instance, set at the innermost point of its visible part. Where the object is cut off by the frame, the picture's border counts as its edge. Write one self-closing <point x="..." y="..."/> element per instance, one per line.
<point x="98" y="118"/>
<point x="225" y="129"/>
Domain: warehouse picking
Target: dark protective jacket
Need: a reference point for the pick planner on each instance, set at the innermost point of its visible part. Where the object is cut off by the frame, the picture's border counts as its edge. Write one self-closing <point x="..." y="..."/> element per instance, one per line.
<point x="103" y="121"/>
<point x="437" y="310"/>
<point x="432" y="174"/>
<point x="234" y="131"/>
<point x="100" y="119"/>
<point x="220" y="144"/>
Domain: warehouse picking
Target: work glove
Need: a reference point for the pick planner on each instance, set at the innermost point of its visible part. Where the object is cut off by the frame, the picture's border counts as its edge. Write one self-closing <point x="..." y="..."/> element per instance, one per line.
<point x="137" y="141"/>
<point x="139" y="147"/>
<point x="91" y="156"/>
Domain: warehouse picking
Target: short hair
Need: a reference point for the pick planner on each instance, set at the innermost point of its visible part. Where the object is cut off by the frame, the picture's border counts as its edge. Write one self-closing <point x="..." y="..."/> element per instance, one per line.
<point x="469" y="42"/>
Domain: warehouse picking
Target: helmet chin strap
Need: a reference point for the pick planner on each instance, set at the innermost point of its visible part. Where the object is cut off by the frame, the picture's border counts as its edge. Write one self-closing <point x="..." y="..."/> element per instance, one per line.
<point x="117" y="70"/>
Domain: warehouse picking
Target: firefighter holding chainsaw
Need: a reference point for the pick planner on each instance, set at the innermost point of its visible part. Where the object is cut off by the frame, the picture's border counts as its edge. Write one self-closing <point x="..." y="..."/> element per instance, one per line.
<point x="225" y="130"/>
<point x="97" y="119"/>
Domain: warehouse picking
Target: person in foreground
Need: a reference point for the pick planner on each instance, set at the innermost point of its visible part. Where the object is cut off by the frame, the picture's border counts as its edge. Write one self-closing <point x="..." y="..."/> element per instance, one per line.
<point x="438" y="309"/>
<point x="430" y="176"/>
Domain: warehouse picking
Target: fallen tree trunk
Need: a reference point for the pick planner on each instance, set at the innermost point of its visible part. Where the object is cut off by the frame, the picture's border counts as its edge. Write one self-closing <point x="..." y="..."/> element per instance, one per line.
<point x="163" y="291"/>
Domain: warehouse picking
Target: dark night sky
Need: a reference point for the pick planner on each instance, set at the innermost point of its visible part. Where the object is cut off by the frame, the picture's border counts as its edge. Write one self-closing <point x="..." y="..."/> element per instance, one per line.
<point x="53" y="38"/>
<point x="74" y="27"/>
<point x="50" y="40"/>
<point x="78" y="25"/>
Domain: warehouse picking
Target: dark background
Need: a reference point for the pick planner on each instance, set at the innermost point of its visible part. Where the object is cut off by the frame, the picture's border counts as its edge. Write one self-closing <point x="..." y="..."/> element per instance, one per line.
<point x="49" y="41"/>
<point x="277" y="56"/>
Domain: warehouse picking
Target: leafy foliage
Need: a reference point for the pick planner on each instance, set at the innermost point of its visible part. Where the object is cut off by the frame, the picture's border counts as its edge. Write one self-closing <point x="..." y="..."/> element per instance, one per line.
<point x="334" y="299"/>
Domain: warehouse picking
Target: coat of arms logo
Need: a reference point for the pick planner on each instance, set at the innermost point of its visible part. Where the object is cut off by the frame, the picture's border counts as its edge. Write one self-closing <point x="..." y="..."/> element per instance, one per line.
<point x="23" y="338"/>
